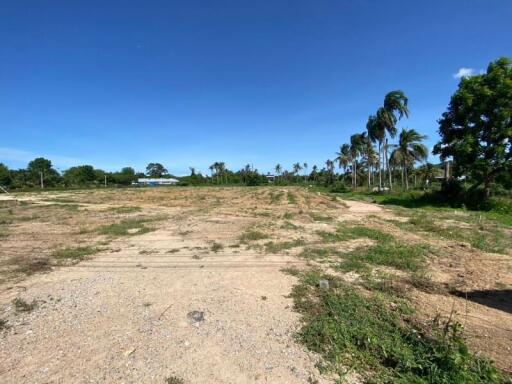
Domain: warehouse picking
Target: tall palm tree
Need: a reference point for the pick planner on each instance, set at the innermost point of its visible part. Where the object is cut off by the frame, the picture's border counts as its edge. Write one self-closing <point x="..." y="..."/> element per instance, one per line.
<point x="376" y="133"/>
<point x="409" y="150"/>
<point x="356" y="147"/>
<point x="343" y="158"/>
<point x="395" y="107"/>
<point x="329" y="164"/>
<point x="314" y="172"/>
<point x="370" y="156"/>
<point x="278" y="169"/>
<point x="211" y="167"/>
<point x="296" y="168"/>
<point x="305" y="167"/>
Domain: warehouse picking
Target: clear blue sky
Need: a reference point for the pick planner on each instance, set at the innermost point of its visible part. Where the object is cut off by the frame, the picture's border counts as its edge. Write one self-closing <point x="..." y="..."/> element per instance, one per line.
<point x="187" y="83"/>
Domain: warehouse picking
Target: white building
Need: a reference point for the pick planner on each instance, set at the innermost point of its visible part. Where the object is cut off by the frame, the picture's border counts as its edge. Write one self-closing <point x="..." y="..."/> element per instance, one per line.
<point x="157" y="181"/>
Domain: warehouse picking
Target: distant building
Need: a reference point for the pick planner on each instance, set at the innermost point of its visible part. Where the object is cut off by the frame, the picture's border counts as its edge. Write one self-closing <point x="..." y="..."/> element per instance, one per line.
<point x="270" y="178"/>
<point x="157" y="181"/>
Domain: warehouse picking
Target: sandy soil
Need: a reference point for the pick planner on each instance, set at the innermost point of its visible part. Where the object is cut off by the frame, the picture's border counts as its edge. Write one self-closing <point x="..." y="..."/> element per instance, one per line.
<point x="124" y="314"/>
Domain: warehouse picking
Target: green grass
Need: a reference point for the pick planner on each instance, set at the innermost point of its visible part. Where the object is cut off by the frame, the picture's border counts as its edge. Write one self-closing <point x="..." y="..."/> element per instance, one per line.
<point x="216" y="247"/>
<point x="288" y="216"/>
<point x="21" y="305"/>
<point x="127" y="227"/>
<point x="481" y="234"/>
<point x="292" y="199"/>
<point x="319" y="217"/>
<point x="252" y="235"/>
<point x="382" y="342"/>
<point x="317" y="253"/>
<point x="390" y="254"/>
<point x="348" y="232"/>
<point x="273" y="247"/>
<point x="275" y="197"/>
<point x="289" y="225"/>
<point x="174" y="380"/>
<point x="74" y="253"/>
<point x="126" y="209"/>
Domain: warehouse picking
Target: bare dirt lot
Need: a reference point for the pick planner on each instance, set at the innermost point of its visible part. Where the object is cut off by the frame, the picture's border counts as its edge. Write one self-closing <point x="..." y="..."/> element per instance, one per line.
<point x="143" y="285"/>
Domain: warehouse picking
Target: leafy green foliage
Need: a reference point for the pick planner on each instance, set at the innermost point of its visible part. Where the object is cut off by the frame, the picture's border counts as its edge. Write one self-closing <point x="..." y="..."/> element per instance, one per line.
<point x="476" y="130"/>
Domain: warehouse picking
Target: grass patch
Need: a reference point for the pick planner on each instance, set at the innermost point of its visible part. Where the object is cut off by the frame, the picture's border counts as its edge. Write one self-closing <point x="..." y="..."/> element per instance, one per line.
<point x="346" y="233"/>
<point x="74" y="253"/>
<point x="288" y="216"/>
<point x="382" y="341"/>
<point x="272" y="247"/>
<point x="216" y="247"/>
<point x="289" y="225"/>
<point x="21" y="305"/>
<point x="316" y="253"/>
<point x="135" y="226"/>
<point x="390" y="254"/>
<point x="275" y="197"/>
<point x="174" y="380"/>
<point x="127" y="209"/>
<point x="292" y="199"/>
<point x="252" y="235"/>
<point x="480" y="233"/>
<point x="319" y="217"/>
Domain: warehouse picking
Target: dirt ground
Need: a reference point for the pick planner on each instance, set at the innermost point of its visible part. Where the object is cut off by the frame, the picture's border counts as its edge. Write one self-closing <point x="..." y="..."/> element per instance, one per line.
<point x="198" y="293"/>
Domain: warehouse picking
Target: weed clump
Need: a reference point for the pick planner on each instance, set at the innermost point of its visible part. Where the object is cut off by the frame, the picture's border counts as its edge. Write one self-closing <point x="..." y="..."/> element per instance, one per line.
<point x="381" y="339"/>
<point x="21" y="305"/>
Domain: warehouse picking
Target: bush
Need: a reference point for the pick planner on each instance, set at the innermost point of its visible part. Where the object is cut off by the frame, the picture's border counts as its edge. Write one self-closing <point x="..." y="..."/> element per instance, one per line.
<point x="339" y="187"/>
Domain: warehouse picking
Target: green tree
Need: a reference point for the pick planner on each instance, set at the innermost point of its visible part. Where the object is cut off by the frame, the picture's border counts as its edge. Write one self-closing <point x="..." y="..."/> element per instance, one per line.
<point x="395" y="107"/>
<point x="408" y="151"/>
<point x="476" y="130"/>
<point x="41" y="172"/>
<point x="80" y="175"/>
<point x="156" y="170"/>
<point x="343" y="158"/>
<point x="278" y="168"/>
<point x="356" y="148"/>
<point x="5" y="175"/>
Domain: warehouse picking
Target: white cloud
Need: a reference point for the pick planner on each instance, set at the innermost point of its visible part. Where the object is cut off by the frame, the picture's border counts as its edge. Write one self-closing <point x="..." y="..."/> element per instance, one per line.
<point x="464" y="72"/>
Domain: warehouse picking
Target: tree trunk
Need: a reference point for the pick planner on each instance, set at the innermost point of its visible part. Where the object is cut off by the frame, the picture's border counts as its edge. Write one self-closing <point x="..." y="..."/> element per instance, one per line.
<point x="387" y="165"/>
<point x="406" y="179"/>
<point x="380" y="166"/>
<point x="369" y="176"/>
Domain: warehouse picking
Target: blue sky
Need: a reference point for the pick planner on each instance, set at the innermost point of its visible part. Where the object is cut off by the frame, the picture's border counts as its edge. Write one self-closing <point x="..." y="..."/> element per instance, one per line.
<point x="187" y="83"/>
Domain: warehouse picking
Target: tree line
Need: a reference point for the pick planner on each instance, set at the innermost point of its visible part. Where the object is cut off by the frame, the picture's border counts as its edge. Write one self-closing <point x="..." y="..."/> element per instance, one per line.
<point x="475" y="140"/>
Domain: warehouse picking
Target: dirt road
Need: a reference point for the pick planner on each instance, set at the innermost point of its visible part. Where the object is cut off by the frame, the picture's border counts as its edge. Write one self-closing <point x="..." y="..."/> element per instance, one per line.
<point x="126" y="314"/>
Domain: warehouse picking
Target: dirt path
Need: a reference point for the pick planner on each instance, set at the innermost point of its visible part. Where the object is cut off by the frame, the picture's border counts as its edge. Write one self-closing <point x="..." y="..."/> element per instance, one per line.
<point x="124" y="316"/>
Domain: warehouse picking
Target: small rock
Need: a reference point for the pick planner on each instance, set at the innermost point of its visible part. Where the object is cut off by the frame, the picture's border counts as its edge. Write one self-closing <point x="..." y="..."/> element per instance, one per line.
<point x="323" y="284"/>
<point x="195" y="317"/>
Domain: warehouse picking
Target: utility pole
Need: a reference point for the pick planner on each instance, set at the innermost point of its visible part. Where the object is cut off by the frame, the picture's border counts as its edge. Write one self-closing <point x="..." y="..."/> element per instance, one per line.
<point x="42" y="181"/>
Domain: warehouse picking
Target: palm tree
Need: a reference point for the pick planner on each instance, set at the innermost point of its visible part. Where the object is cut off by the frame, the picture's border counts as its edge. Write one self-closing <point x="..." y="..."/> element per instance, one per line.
<point x="356" y="147"/>
<point x="329" y="164"/>
<point x="409" y="150"/>
<point x="278" y="169"/>
<point x="395" y="107"/>
<point x="343" y="158"/>
<point x="296" y="169"/>
<point x="211" y="167"/>
<point x="370" y="156"/>
<point x="376" y="134"/>
<point x="305" y="167"/>
<point x="314" y="172"/>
